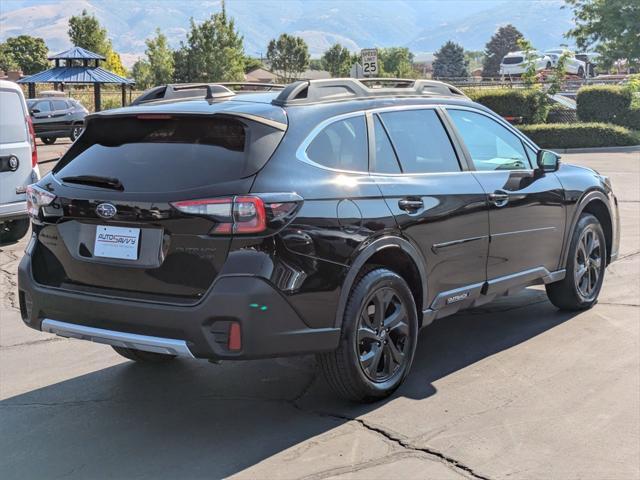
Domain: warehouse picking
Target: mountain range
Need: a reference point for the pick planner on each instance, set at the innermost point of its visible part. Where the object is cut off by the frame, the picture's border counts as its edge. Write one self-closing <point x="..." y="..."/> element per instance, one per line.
<point x="421" y="25"/>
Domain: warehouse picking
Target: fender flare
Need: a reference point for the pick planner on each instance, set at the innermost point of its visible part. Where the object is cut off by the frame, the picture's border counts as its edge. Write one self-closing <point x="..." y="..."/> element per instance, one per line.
<point x="362" y="258"/>
<point x="581" y="205"/>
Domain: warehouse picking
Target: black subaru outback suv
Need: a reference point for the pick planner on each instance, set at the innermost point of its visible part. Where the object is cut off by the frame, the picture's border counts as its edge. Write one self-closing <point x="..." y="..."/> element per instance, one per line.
<point x="334" y="217"/>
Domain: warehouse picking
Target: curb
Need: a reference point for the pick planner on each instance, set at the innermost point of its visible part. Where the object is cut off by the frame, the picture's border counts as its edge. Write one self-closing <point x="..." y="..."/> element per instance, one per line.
<point x="630" y="149"/>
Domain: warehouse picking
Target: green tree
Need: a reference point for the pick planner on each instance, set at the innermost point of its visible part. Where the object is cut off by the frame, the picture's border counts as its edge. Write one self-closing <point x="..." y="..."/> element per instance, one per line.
<point x="288" y="56"/>
<point x="24" y="52"/>
<point x="450" y="61"/>
<point x="337" y="61"/>
<point x="160" y="59"/>
<point x="141" y="73"/>
<point x="86" y="32"/>
<point x="316" y="64"/>
<point x="251" y="63"/>
<point x="613" y="26"/>
<point x="558" y="73"/>
<point x="213" y="52"/>
<point x="502" y="42"/>
<point x="475" y="58"/>
<point x="395" y="62"/>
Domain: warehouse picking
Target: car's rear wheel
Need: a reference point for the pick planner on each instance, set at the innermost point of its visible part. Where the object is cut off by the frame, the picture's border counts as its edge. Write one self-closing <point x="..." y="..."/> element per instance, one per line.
<point x="581" y="72"/>
<point x="13" y="230"/>
<point x="75" y="132"/>
<point x="549" y="65"/>
<point x="49" y="140"/>
<point x="585" y="267"/>
<point x="380" y="328"/>
<point x="142" y="356"/>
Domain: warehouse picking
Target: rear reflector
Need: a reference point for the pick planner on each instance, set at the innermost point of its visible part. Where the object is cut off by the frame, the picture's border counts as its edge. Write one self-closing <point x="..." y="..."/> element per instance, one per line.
<point x="36" y="198"/>
<point x="235" y="337"/>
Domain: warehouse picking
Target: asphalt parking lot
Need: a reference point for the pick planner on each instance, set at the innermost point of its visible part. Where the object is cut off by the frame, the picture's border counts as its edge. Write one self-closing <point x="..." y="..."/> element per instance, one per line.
<point x="514" y="389"/>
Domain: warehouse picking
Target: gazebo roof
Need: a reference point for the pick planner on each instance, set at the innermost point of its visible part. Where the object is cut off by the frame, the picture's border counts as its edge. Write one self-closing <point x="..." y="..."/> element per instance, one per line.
<point x="76" y="53"/>
<point x="75" y="75"/>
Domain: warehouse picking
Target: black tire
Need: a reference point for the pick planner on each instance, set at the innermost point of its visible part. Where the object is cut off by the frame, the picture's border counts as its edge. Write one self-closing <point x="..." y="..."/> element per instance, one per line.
<point x="76" y="130"/>
<point x="585" y="267"/>
<point x="372" y="362"/>
<point x="549" y="65"/>
<point x="142" y="356"/>
<point x="13" y="230"/>
<point x="581" y="72"/>
<point x="49" y="140"/>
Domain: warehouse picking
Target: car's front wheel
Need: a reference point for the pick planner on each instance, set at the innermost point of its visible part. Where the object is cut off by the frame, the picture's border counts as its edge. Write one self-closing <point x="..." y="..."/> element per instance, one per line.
<point x="581" y="72"/>
<point x="379" y="333"/>
<point x="585" y="267"/>
<point x="142" y="356"/>
<point x="49" y="140"/>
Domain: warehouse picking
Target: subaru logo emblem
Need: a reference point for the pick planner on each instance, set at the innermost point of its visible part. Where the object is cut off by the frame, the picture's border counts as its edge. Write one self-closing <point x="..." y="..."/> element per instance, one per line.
<point x="106" y="210"/>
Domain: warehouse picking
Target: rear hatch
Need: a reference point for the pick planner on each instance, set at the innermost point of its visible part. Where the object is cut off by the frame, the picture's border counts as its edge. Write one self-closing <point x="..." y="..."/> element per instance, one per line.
<point x="141" y="206"/>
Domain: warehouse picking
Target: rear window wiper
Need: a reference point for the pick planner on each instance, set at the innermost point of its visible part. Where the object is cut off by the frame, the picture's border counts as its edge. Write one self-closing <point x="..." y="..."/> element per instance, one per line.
<point x="95" y="181"/>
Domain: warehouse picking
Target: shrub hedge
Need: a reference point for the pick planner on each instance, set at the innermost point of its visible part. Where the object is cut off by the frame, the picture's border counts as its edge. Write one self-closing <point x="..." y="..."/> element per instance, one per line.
<point x="630" y="119"/>
<point x="579" y="135"/>
<point x="526" y="103"/>
<point x="600" y="103"/>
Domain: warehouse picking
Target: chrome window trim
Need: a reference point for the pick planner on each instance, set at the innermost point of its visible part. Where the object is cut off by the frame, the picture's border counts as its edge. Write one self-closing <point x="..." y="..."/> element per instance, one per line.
<point x="301" y="151"/>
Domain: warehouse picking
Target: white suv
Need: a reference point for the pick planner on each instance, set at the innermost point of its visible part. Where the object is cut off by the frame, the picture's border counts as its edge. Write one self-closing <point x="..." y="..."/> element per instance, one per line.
<point x="18" y="162"/>
<point x="573" y="66"/>
<point x="515" y="63"/>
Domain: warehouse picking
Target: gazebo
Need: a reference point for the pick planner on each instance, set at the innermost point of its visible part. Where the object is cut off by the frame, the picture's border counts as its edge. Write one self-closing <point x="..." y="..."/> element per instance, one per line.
<point x="77" y="66"/>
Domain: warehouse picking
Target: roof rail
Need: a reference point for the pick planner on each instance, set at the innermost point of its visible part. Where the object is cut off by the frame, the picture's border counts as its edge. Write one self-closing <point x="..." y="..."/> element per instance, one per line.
<point x="252" y="86"/>
<point x="341" y="89"/>
<point x="214" y="90"/>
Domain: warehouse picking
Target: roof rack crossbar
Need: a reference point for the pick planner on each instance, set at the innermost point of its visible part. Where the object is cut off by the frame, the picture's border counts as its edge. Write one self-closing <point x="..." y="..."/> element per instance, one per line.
<point x="266" y="86"/>
<point x="339" y="89"/>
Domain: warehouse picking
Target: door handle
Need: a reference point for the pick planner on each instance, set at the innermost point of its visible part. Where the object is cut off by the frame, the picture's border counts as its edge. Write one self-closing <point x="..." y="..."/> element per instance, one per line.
<point x="410" y="205"/>
<point x="499" y="198"/>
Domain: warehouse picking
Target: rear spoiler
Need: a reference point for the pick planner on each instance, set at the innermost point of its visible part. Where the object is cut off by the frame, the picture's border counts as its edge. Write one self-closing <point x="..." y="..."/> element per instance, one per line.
<point x="164" y="115"/>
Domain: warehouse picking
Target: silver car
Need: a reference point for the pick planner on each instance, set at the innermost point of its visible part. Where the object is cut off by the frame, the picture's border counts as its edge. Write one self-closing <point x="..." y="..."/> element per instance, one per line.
<point x="18" y="162"/>
<point x="56" y="117"/>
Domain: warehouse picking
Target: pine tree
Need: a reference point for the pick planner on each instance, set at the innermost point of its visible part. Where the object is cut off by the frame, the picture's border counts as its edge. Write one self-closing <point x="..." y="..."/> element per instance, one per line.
<point x="450" y="62"/>
<point x="505" y="40"/>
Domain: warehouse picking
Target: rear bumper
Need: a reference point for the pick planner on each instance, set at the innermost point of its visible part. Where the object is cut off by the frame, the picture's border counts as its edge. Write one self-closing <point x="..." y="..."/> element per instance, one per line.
<point x="273" y="331"/>
<point x="13" y="210"/>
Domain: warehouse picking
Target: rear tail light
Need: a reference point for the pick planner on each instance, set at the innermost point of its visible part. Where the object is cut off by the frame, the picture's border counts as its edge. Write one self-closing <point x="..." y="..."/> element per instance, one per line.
<point x="241" y="215"/>
<point x="36" y="198"/>
<point x="32" y="139"/>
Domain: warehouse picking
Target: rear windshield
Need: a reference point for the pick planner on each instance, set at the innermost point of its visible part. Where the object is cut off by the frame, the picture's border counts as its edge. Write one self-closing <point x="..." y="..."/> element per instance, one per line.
<point x="12" y="118"/>
<point x="169" y="153"/>
<point x="511" y="60"/>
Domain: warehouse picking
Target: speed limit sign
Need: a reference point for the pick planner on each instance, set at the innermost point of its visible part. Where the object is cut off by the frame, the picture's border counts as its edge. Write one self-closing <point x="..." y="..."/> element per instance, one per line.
<point x="369" y="62"/>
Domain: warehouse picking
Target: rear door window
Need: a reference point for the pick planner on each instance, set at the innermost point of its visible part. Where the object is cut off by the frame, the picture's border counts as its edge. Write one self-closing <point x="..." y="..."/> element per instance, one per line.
<point x="170" y="154"/>
<point x="342" y="145"/>
<point x="421" y="142"/>
<point x="60" y="105"/>
<point x="12" y="118"/>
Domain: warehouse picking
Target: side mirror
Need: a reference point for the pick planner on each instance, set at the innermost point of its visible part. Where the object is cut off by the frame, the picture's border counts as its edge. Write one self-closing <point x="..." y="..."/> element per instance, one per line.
<point x="548" y="161"/>
<point x="35" y="110"/>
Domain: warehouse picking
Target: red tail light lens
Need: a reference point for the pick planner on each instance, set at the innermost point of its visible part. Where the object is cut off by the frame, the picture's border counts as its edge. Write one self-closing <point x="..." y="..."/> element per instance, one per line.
<point x="241" y="215"/>
<point x="249" y="215"/>
<point x="32" y="139"/>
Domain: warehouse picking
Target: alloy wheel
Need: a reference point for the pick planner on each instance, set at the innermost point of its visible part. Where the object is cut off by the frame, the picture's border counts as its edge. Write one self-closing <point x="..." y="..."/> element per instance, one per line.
<point x="383" y="335"/>
<point x="588" y="264"/>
